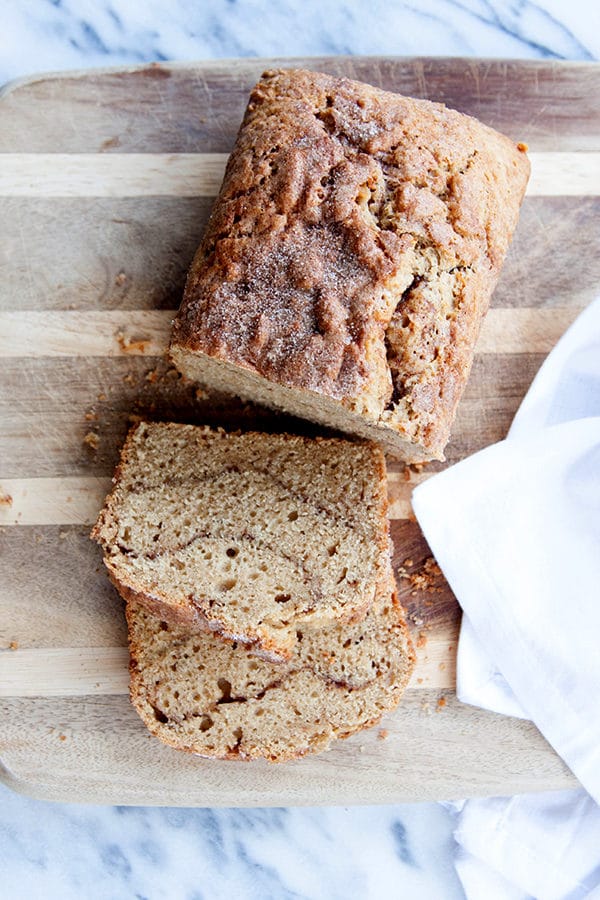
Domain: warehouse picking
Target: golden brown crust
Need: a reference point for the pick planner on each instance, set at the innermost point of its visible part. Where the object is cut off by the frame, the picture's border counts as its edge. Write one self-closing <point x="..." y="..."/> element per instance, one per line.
<point x="191" y="619"/>
<point x="353" y="249"/>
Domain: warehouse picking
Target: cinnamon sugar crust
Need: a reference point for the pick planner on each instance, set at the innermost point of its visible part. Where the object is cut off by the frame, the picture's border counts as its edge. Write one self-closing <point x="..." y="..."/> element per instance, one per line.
<point x="350" y="257"/>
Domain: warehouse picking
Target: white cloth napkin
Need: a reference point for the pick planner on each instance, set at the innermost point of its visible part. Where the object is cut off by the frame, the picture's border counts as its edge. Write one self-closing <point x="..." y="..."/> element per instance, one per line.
<point x="566" y="388"/>
<point x="516" y="531"/>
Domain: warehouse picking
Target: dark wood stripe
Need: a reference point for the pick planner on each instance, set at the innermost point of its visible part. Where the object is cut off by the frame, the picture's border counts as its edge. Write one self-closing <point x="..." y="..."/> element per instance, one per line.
<point x="54" y="591"/>
<point x="98" y="253"/>
<point x="553" y="260"/>
<point x="134" y="254"/>
<point x="44" y="402"/>
<point x="551" y="105"/>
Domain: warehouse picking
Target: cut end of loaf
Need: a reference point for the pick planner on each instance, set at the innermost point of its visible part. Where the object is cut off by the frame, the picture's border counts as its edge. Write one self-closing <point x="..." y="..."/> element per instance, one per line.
<point x="350" y="257"/>
<point x="250" y="536"/>
<point x="224" y="376"/>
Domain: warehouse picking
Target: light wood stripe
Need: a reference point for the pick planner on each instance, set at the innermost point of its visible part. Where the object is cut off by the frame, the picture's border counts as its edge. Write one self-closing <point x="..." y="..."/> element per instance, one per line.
<point x="524" y="330"/>
<point x="564" y="175"/>
<point x="94" y="333"/>
<point x="84" y="671"/>
<point x="63" y="672"/>
<point x="111" y="175"/>
<point x="50" y="333"/>
<point x="200" y="174"/>
<point x="77" y="500"/>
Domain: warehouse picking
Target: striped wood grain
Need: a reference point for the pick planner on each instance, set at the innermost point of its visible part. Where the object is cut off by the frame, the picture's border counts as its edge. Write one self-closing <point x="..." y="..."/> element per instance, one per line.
<point x="106" y="181"/>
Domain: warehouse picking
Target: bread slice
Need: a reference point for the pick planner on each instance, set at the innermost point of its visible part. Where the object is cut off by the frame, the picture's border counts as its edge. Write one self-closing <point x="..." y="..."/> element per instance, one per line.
<point x="350" y="257"/>
<point x="253" y="536"/>
<point x="205" y="695"/>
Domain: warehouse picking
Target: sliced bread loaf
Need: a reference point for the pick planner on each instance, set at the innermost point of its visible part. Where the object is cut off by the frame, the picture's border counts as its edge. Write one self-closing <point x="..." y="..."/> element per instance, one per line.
<point x="208" y="696"/>
<point x="253" y="536"/>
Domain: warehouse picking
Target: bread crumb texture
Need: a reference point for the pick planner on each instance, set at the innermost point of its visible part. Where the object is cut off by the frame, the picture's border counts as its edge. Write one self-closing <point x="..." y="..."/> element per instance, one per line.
<point x="252" y="536"/>
<point x="350" y="257"/>
<point x="214" y="698"/>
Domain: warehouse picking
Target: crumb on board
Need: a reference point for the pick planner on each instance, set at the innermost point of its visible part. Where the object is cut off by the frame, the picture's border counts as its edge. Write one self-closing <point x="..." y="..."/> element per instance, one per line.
<point x="91" y="416"/>
<point x="120" y="277"/>
<point x="62" y="737"/>
<point x="92" y="440"/>
<point x="62" y="535"/>
<point x="102" y="397"/>
<point x="419" y="681"/>
<point x="200" y="394"/>
<point x="14" y="645"/>
<point x="412" y="469"/>
<point x="441" y="704"/>
<point x="421" y="640"/>
<point x="382" y="734"/>
<point x="425" y="579"/>
<point x="152" y="376"/>
<point x="132" y="345"/>
<point x="128" y="379"/>
<point x="5" y="499"/>
<point x="523" y="147"/>
<point x="426" y="707"/>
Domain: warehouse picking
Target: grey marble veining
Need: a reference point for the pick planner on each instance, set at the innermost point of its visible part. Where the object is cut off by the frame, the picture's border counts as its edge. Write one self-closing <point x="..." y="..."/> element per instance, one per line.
<point x="41" y="35"/>
<point x="66" y="851"/>
<point x="63" y="850"/>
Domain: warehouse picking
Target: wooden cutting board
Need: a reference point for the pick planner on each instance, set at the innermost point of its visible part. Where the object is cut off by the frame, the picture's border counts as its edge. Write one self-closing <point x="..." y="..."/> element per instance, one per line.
<point x="106" y="182"/>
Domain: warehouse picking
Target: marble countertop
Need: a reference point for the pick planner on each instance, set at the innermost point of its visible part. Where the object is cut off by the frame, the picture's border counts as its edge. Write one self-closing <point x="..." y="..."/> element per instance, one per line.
<point x="40" y="35"/>
<point x="68" y="851"/>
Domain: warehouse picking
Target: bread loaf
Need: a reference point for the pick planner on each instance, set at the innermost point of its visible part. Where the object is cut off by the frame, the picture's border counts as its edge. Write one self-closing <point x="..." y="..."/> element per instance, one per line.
<point x="350" y="257"/>
<point x="253" y="536"/>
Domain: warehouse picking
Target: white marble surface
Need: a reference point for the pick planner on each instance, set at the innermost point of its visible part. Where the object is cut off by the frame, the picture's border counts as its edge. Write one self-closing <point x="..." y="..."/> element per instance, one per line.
<point x="56" y="850"/>
<point x="67" y="851"/>
<point x="41" y="35"/>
